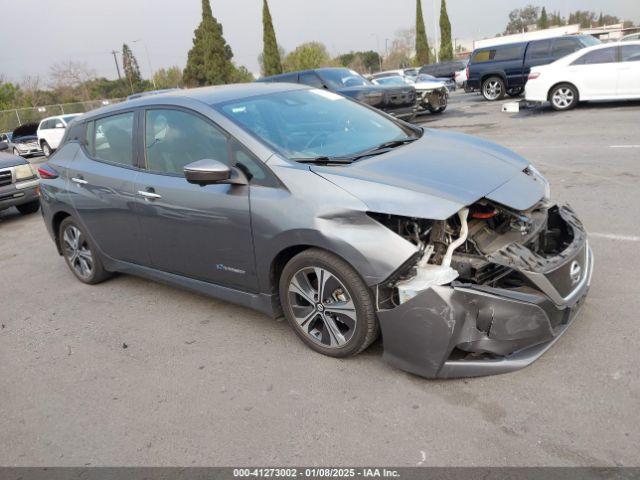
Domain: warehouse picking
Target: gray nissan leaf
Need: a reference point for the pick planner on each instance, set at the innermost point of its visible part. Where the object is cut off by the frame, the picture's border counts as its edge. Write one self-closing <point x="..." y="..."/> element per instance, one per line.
<point x="352" y="224"/>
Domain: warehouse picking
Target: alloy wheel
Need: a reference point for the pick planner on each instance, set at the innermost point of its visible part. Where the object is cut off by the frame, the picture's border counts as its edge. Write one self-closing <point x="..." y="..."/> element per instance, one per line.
<point x="563" y="98"/>
<point x="322" y="307"/>
<point x="78" y="252"/>
<point x="492" y="89"/>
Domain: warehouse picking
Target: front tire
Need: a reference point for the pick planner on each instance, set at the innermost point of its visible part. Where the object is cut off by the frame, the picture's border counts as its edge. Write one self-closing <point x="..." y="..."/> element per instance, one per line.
<point x="80" y="254"/>
<point x="327" y="304"/>
<point x="493" y="88"/>
<point x="46" y="149"/>
<point x="563" y="97"/>
<point x="29" y="208"/>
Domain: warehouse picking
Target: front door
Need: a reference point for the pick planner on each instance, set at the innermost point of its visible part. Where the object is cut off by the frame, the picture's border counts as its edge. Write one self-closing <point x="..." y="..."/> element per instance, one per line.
<point x="198" y="232"/>
<point x="102" y="181"/>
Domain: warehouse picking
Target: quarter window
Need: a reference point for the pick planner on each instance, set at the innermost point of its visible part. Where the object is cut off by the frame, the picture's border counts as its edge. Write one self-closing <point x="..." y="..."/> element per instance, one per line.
<point x="630" y="53"/>
<point x="113" y="139"/>
<point x="174" y="138"/>
<point x="483" y="56"/>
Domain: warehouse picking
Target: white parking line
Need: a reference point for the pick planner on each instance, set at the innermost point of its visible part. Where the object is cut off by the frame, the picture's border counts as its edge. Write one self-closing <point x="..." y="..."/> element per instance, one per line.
<point x="624" y="146"/>
<point x="612" y="236"/>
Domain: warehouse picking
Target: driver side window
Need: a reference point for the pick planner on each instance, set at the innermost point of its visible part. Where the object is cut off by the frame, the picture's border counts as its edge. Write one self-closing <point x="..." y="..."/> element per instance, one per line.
<point x="175" y="138"/>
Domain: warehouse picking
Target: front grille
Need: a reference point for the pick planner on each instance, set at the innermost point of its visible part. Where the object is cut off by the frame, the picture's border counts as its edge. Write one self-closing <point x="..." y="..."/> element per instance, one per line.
<point x="5" y="177"/>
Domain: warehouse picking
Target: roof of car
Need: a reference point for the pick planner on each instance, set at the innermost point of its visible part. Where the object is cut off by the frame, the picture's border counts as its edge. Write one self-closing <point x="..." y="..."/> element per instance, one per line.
<point x="207" y="95"/>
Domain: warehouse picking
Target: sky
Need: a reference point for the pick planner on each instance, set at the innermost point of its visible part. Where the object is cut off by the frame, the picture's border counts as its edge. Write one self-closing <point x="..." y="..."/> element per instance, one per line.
<point x="88" y="30"/>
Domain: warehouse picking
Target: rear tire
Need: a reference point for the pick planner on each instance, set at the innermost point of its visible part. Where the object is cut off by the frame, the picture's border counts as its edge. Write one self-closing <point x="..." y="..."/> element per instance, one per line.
<point x="327" y="304"/>
<point x="80" y="254"/>
<point x="493" y="88"/>
<point x="29" y="208"/>
<point x="563" y="97"/>
<point x="436" y="111"/>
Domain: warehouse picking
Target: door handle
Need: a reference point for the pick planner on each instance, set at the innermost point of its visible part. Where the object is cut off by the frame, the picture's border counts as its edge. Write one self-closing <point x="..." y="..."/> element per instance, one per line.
<point x="79" y="181"/>
<point x="149" y="195"/>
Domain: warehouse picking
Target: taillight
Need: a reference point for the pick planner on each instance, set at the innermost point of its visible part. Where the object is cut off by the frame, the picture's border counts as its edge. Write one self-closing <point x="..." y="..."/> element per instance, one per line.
<point x="467" y="71"/>
<point x="46" y="172"/>
<point x="534" y="75"/>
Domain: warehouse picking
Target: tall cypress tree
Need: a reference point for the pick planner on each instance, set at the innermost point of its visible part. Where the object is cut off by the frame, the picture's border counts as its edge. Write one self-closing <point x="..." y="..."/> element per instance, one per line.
<point x="130" y="66"/>
<point x="209" y="60"/>
<point x="543" y="21"/>
<point x="446" y="47"/>
<point x="422" y="44"/>
<point x="271" y="62"/>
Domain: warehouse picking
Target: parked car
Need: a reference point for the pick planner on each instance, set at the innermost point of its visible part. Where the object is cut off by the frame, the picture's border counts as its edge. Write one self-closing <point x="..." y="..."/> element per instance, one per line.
<point x="18" y="183"/>
<point x="397" y="100"/>
<point x="631" y="38"/>
<point x="23" y="141"/>
<point x="603" y="72"/>
<point x="51" y="130"/>
<point x="504" y="69"/>
<point x="448" y="82"/>
<point x="432" y="94"/>
<point x="299" y="201"/>
<point x="444" y="69"/>
<point x="461" y="79"/>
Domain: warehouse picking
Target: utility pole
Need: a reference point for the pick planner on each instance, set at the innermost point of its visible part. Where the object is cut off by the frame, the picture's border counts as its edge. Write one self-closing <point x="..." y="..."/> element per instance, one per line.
<point x="435" y="28"/>
<point x="115" y="59"/>
<point x="144" y="44"/>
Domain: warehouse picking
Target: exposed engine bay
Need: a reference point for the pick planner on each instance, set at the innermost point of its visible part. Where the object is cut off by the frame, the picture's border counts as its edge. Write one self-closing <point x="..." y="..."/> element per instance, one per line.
<point x="467" y="247"/>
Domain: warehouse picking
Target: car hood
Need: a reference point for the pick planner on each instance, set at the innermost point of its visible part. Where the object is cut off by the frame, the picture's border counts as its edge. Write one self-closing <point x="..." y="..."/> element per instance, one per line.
<point x="436" y="176"/>
<point x="429" y="85"/>
<point x="8" y="160"/>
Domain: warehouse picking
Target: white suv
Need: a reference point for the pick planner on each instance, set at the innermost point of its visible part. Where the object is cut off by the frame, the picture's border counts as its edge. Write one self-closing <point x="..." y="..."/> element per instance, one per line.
<point x="51" y="130"/>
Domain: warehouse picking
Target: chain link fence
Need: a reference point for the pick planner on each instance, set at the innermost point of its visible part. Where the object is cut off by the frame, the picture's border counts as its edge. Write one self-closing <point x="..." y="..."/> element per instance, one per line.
<point x="10" y="119"/>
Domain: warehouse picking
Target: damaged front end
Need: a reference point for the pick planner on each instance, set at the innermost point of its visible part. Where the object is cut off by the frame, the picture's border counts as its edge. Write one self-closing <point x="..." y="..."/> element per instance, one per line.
<point x="489" y="291"/>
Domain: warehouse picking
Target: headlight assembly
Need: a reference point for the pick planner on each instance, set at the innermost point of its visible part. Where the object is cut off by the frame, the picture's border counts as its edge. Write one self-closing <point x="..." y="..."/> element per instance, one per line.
<point x="25" y="172"/>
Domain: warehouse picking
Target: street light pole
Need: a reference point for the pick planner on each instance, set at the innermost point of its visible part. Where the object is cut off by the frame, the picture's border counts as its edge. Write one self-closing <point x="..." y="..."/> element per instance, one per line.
<point x="144" y="44"/>
<point x="435" y="27"/>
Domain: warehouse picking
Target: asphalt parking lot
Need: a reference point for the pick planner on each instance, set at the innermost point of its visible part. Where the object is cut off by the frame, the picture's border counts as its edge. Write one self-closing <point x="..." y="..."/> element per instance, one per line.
<point x="203" y="382"/>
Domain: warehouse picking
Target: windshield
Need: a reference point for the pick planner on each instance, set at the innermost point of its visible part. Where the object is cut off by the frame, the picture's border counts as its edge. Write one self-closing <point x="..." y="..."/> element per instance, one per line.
<point x="67" y="119"/>
<point x="307" y="124"/>
<point x="342" y="77"/>
<point x="397" y="80"/>
<point x="589" y="41"/>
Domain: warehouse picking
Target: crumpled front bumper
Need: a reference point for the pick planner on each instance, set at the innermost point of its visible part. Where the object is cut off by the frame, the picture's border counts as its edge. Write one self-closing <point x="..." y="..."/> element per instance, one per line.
<point x="467" y="330"/>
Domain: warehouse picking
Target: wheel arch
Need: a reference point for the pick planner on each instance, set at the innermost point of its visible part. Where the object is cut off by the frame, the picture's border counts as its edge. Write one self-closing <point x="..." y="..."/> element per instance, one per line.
<point x="56" y="221"/>
<point x="487" y="75"/>
<point x="563" y="83"/>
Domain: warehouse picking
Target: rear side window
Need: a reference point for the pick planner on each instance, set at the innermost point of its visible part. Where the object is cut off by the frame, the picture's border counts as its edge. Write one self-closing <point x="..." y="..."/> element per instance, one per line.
<point x="564" y="46"/>
<point x="538" y="50"/>
<point x="630" y="53"/>
<point x="509" y="53"/>
<point x="113" y="139"/>
<point x="603" y="55"/>
<point x="483" y="56"/>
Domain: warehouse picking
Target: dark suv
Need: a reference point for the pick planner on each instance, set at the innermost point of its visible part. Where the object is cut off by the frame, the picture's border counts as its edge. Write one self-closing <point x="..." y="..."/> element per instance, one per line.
<point x="18" y="183"/>
<point x="505" y="68"/>
<point x="399" y="101"/>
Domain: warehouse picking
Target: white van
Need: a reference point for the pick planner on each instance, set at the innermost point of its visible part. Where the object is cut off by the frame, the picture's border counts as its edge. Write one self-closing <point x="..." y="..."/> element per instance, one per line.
<point x="51" y="130"/>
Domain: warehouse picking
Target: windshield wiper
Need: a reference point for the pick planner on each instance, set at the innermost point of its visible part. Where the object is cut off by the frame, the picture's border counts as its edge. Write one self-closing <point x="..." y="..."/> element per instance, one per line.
<point x="385" y="147"/>
<point x="326" y="160"/>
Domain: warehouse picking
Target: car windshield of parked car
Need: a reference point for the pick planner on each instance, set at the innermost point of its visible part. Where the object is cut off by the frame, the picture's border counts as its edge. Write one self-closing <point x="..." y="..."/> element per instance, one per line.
<point x="309" y="124"/>
<point x="67" y="119"/>
<point x="397" y="80"/>
<point x="342" y="77"/>
<point x="424" y="77"/>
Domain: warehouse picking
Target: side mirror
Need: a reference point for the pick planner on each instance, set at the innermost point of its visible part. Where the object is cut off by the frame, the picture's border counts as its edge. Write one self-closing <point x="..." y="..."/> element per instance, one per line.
<point x="208" y="172"/>
<point x="3" y="146"/>
<point x="59" y="125"/>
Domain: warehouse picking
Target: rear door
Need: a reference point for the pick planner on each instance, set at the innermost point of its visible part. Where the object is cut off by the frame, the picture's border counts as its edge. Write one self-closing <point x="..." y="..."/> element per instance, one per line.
<point x="510" y="58"/>
<point x="101" y="184"/>
<point x="629" y="71"/>
<point x="596" y="74"/>
<point x="197" y="232"/>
